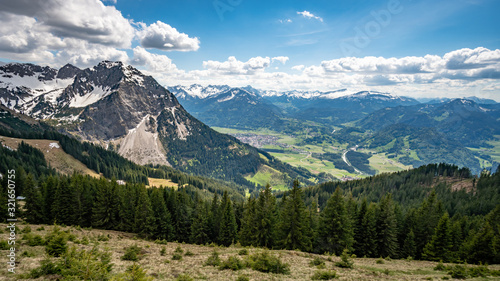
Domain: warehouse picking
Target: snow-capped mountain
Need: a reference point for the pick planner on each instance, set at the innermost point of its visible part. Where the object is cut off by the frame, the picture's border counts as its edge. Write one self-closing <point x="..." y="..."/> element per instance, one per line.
<point x="197" y="91"/>
<point x="112" y="103"/>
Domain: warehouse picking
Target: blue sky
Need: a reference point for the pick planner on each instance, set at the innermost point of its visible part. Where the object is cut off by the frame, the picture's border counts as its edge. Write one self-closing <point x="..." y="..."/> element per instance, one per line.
<point x="407" y="47"/>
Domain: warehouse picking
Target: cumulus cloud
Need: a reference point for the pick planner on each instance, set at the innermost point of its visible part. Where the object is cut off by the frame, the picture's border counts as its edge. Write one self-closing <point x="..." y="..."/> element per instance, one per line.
<point x="162" y="36"/>
<point x="309" y="15"/>
<point x="234" y="67"/>
<point x="88" y="20"/>
<point x="153" y="62"/>
<point x="86" y="54"/>
<point x="82" y="32"/>
<point x="281" y="59"/>
<point x="298" y="67"/>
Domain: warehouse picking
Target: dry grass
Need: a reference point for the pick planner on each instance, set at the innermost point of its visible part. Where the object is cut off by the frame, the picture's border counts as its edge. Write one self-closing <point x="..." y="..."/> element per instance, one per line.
<point x="162" y="182"/>
<point x="164" y="268"/>
<point x="55" y="155"/>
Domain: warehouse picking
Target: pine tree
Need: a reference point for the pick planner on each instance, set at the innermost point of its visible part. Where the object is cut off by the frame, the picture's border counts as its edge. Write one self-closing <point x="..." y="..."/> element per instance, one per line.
<point x="335" y="229"/>
<point x="294" y="224"/>
<point x="200" y="228"/>
<point x="145" y="224"/>
<point x="163" y="224"/>
<point x="409" y="246"/>
<point x="265" y="230"/>
<point x="387" y="243"/>
<point x="440" y="246"/>
<point x="249" y="224"/>
<point x="364" y="239"/>
<point x="34" y="202"/>
<point x="228" y="227"/>
<point x="214" y="218"/>
<point x="65" y="203"/>
<point x="106" y="208"/>
<point x="427" y="218"/>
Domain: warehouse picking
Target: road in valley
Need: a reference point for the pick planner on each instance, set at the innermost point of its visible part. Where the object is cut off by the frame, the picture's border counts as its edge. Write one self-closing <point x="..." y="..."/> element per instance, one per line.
<point x="344" y="157"/>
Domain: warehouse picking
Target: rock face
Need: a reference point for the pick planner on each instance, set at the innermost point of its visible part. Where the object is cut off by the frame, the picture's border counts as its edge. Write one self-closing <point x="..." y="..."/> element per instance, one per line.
<point x="108" y="103"/>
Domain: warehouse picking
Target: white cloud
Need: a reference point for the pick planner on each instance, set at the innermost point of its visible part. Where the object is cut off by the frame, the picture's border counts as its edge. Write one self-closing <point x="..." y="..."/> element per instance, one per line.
<point x="309" y="15"/>
<point x="84" y="54"/>
<point x="298" y="67"/>
<point x="153" y="62"/>
<point x="233" y="66"/>
<point x="162" y="36"/>
<point x="281" y="59"/>
<point x="285" y="21"/>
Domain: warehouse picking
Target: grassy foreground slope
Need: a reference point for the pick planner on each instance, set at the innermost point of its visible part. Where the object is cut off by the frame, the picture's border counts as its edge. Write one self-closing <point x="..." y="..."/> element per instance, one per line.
<point x="191" y="262"/>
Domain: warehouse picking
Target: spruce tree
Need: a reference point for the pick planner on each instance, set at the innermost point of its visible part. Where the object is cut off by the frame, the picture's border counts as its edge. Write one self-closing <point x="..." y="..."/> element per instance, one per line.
<point x="387" y="243"/>
<point x="335" y="230"/>
<point x="228" y="227"/>
<point x="440" y="245"/>
<point x="294" y="224"/>
<point x="409" y="245"/>
<point x="106" y="207"/>
<point x="163" y="224"/>
<point x="65" y="203"/>
<point x="249" y="224"/>
<point x="200" y="228"/>
<point x="34" y="202"/>
<point x="145" y="224"/>
<point x="265" y="230"/>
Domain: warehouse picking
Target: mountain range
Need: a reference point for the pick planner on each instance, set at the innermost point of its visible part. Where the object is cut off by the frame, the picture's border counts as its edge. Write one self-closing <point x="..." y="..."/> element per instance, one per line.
<point x="118" y="107"/>
<point x="438" y="130"/>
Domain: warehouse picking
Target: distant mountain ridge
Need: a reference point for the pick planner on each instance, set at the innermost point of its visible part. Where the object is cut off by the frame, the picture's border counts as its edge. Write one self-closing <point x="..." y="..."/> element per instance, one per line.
<point x="117" y="106"/>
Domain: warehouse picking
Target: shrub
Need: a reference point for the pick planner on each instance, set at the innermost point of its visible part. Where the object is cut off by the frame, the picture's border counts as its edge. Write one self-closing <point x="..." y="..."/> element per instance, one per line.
<point x="89" y="264"/>
<point x="345" y="260"/>
<point x="26" y="229"/>
<point x="184" y="277"/>
<point x="243" y="252"/>
<point x="35" y="240"/>
<point x="233" y="263"/>
<point x="440" y="266"/>
<point x="479" y="271"/>
<point x="40" y="228"/>
<point x="47" y="267"/>
<point x="56" y="245"/>
<point x="213" y="259"/>
<point x="179" y="250"/>
<point x="27" y="254"/>
<point x="317" y="261"/>
<point x="189" y="253"/>
<point x="242" y="278"/>
<point x="266" y="262"/>
<point x="163" y="251"/>
<point x="162" y="242"/>
<point x="132" y="253"/>
<point x="133" y="272"/>
<point x="177" y="257"/>
<point x="4" y="245"/>
<point x="458" y="272"/>
<point x="380" y="261"/>
<point x="102" y="237"/>
<point x="324" y="275"/>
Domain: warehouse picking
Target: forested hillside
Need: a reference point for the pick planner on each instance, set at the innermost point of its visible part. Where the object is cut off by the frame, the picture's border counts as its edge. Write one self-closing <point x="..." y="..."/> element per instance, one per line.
<point x="397" y="215"/>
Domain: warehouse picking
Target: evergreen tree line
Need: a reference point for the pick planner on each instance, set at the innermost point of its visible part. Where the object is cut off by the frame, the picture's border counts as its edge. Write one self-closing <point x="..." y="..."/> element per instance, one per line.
<point x="408" y="188"/>
<point x="106" y="162"/>
<point x="371" y="229"/>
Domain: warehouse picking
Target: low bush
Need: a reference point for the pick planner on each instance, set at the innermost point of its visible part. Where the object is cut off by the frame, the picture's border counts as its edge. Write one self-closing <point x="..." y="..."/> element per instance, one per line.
<point x="233" y="263"/>
<point x="345" y="260"/>
<point x="243" y="252"/>
<point x="268" y="263"/>
<point x="317" y="261"/>
<point x="324" y="275"/>
<point x="132" y="253"/>
<point x="213" y="259"/>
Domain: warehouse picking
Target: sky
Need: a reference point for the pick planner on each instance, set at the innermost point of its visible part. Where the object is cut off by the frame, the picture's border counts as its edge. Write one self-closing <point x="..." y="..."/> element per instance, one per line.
<point x="417" y="48"/>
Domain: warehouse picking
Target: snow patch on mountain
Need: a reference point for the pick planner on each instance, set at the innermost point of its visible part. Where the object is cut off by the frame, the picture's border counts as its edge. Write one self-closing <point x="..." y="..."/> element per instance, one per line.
<point x="96" y="95"/>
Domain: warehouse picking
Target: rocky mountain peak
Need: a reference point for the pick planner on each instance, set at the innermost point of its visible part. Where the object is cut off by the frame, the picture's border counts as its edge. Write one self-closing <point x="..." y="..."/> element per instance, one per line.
<point x="68" y="71"/>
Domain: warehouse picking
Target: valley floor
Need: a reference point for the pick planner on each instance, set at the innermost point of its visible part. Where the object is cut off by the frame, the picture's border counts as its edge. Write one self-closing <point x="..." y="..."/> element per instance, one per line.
<point x="164" y="267"/>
